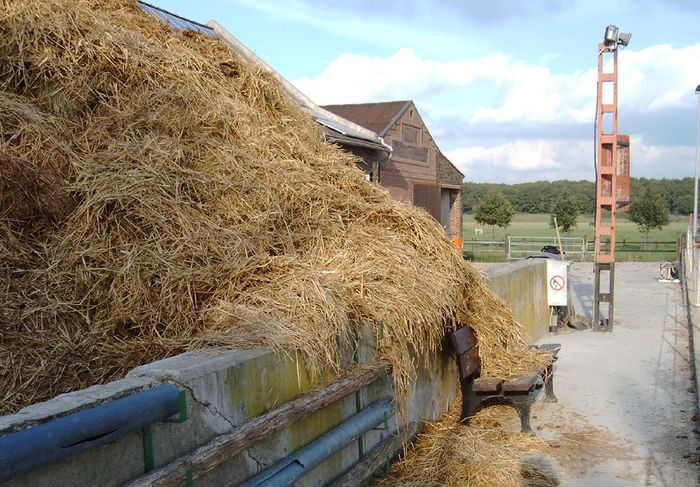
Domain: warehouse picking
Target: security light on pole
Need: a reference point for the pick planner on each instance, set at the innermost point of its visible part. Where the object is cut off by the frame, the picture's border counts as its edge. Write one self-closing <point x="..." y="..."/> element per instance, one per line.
<point x="614" y="38"/>
<point x="612" y="177"/>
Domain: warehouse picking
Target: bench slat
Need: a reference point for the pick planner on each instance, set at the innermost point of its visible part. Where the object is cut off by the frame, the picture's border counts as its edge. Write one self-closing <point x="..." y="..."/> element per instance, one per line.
<point x="552" y="348"/>
<point x="487" y="385"/>
<point x="463" y="340"/>
<point x="469" y="362"/>
<point x="522" y="384"/>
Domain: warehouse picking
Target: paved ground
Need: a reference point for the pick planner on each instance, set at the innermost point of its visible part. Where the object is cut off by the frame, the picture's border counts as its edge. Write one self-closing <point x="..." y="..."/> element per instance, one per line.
<point x="626" y="406"/>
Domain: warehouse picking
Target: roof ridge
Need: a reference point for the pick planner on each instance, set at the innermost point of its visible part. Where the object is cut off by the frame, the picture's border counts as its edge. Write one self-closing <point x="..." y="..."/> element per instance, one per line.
<point x="367" y="103"/>
<point x="396" y="117"/>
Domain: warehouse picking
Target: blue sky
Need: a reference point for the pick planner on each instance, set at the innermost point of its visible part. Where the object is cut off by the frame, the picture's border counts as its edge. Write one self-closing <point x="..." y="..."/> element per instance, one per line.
<point x="506" y="87"/>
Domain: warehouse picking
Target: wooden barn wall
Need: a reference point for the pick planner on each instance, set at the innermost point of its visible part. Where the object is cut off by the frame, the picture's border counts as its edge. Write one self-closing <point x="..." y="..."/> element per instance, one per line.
<point x="413" y="163"/>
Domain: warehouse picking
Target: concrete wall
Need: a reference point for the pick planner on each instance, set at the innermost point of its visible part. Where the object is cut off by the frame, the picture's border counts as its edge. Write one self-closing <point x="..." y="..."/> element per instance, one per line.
<point x="523" y="285"/>
<point x="689" y="261"/>
<point x="227" y="388"/>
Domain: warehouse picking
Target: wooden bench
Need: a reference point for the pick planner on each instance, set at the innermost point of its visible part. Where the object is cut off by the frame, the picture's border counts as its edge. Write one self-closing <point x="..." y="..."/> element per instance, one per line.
<point x="520" y="392"/>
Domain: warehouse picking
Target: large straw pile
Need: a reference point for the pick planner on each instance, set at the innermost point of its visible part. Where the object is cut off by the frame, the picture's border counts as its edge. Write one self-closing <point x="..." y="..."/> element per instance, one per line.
<point x="158" y="193"/>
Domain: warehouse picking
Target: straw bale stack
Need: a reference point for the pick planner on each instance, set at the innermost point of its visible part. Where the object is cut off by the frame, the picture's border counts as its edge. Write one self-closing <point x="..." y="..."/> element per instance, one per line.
<point x="159" y="194"/>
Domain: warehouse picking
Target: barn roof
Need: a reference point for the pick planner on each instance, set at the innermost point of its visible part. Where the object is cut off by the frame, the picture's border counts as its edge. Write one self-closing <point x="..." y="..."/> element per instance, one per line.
<point x="378" y="117"/>
<point x="381" y="117"/>
<point x="448" y="173"/>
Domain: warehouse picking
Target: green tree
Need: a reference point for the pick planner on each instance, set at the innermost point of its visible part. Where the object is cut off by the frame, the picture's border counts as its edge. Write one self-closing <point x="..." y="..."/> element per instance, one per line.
<point x="649" y="211"/>
<point x="684" y="204"/>
<point x="494" y="209"/>
<point x="566" y="212"/>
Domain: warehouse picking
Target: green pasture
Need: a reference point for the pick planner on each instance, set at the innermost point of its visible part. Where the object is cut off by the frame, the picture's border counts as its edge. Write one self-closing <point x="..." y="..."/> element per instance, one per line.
<point x="631" y="242"/>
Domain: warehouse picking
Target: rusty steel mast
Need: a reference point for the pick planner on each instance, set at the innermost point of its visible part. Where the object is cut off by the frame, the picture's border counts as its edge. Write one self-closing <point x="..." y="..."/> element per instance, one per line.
<point x="612" y="164"/>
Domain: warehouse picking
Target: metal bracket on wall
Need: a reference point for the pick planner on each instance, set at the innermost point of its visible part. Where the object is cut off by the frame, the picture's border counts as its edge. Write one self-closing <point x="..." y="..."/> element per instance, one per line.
<point x="358" y="393"/>
<point x="147" y="435"/>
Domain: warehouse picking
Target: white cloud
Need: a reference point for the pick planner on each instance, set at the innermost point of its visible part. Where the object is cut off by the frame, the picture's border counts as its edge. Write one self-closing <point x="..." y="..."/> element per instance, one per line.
<point x="544" y="159"/>
<point x="658" y="77"/>
<point x="354" y="78"/>
<point x="655" y="78"/>
<point x="653" y="160"/>
<point x="529" y="159"/>
<point x="528" y="102"/>
<point x="534" y="94"/>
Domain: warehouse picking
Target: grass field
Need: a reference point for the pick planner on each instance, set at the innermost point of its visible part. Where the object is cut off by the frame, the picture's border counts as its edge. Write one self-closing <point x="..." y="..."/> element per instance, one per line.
<point x="537" y="225"/>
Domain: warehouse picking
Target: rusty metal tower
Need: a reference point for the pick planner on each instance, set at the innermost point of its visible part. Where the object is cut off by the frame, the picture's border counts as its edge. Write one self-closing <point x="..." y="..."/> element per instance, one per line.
<point x="612" y="175"/>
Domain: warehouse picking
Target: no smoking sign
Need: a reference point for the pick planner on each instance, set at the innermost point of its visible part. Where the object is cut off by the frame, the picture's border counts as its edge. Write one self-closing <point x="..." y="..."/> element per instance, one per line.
<point x="557" y="283"/>
<point x="557" y="277"/>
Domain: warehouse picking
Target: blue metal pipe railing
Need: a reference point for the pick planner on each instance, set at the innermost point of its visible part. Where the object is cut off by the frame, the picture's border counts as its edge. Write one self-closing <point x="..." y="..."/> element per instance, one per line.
<point x="295" y="466"/>
<point x="55" y="440"/>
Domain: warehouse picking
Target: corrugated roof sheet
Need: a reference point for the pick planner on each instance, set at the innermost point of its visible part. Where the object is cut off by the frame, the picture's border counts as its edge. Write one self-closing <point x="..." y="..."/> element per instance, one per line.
<point x="176" y="21"/>
<point x="378" y="117"/>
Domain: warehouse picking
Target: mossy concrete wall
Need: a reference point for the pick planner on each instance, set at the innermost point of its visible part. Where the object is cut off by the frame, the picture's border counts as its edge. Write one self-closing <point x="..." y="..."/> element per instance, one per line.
<point x="227" y="388"/>
<point x="523" y="286"/>
<point x="224" y="390"/>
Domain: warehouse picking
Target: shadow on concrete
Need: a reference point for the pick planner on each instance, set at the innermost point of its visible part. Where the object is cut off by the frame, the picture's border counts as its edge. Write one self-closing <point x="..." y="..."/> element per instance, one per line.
<point x="584" y="293"/>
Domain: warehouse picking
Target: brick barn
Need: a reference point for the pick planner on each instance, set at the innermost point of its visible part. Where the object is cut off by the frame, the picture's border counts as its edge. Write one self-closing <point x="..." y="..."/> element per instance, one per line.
<point x="417" y="172"/>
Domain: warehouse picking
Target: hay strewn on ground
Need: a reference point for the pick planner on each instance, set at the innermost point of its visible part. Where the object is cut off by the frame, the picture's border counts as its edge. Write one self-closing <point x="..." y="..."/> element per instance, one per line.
<point x="492" y="452"/>
<point x="158" y="193"/>
<point x="483" y="454"/>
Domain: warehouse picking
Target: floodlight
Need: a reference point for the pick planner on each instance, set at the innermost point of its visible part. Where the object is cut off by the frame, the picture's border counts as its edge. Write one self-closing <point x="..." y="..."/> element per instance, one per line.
<point x="613" y="37"/>
<point x="624" y="39"/>
<point x="612" y="33"/>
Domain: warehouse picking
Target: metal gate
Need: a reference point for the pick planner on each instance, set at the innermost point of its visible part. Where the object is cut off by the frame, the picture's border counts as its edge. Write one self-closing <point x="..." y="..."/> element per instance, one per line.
<point x="518" y="248"/>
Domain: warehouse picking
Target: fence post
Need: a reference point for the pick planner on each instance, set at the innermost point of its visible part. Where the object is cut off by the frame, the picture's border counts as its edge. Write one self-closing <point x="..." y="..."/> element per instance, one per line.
<point x="688" y="250"/>
<point x="507" y="246"/>
<point x="696" y="271"/>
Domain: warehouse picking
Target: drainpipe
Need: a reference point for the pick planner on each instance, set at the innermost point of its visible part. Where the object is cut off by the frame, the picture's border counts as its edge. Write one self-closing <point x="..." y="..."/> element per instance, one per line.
<point x="389" y="152"/>
<point x="295" y="466"/>
<point x="58" y="439"/>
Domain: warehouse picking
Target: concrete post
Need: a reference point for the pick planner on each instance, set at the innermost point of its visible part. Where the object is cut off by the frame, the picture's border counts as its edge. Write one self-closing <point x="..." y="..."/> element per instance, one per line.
<point x="507" y="245"/>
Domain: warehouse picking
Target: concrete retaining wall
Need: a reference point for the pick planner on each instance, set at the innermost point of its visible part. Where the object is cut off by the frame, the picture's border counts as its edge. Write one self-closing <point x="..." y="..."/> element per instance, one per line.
<point x="523" y="285"/>
<point x="227" y="388"/>
<point x="689" y="262"/>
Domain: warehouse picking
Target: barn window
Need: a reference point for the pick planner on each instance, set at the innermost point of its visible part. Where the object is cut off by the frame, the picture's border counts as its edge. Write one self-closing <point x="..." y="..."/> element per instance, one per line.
<point x="411" y="135"/>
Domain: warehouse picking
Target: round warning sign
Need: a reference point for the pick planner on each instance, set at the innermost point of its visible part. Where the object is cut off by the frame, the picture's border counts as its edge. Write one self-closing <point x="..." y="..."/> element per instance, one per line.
<point x="557" y="283"/>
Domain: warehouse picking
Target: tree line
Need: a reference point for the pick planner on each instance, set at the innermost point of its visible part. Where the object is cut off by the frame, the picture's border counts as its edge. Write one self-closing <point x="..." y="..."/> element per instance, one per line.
<point x="543" y="196"/>
<point x="648" y="210"/>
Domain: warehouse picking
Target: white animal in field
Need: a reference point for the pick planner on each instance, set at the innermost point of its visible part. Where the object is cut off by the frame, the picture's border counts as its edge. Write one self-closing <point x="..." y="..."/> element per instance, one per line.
<point x="478" y="231"/>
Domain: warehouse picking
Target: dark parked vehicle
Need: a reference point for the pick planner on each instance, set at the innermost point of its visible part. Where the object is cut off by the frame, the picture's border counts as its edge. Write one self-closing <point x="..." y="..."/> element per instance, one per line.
<point x="547" y="252"/>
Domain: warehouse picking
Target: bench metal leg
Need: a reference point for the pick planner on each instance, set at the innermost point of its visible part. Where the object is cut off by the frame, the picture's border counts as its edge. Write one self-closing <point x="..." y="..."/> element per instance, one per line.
<point x="522" y="405"/>
<point x="549" y="385"/>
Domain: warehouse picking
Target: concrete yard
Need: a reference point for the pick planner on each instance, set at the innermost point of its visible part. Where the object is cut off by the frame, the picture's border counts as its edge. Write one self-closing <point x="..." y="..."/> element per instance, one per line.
<point x="627" y="404"/>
